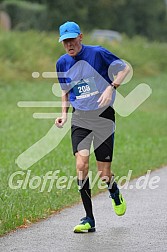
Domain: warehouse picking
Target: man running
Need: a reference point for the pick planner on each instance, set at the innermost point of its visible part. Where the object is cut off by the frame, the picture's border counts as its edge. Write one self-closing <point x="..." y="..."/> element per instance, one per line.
<point x="89" y="76"/>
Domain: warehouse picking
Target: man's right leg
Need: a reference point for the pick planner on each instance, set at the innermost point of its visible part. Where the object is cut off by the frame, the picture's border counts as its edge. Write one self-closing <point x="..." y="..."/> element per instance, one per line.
<point x="82" y="163"/>
<point x="81" y="142"/>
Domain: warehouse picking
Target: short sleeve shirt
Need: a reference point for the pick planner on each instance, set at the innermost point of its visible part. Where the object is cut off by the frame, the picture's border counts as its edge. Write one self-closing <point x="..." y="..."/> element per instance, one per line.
<point x="87" y="75"/>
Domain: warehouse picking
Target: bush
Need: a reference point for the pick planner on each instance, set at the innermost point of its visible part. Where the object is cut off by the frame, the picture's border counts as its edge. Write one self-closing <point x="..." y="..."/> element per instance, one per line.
<point x="25" y="52"/>
<point x="25" y="15"/>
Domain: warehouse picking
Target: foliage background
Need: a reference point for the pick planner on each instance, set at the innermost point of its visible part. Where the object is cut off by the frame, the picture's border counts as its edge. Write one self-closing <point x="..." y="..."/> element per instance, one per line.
<point x="133" y="17"/>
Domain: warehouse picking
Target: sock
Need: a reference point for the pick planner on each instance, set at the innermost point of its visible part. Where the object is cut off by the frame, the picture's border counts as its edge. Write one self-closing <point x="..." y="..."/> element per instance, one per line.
<point x="114" y="192"/>
<point x="86" y="196"/>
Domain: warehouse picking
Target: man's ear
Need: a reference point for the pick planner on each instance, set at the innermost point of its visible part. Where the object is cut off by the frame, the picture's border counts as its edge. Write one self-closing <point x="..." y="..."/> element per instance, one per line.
<point x="81" y="36"/>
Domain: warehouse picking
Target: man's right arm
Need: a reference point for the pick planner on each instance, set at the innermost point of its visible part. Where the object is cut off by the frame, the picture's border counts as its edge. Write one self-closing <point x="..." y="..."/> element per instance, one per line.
<point x="60" y="121"/>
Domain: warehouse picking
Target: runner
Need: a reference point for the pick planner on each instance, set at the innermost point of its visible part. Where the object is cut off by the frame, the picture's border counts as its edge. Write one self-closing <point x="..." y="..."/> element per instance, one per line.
<point x="89" y="76"/>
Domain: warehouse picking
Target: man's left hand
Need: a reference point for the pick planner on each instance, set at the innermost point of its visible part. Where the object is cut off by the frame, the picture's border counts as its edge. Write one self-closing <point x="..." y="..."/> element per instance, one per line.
<point x="106" y="97"/>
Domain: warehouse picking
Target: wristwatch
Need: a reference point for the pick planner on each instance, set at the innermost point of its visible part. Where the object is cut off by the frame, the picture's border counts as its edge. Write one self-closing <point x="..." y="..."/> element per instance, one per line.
<point x="112" y="84"/>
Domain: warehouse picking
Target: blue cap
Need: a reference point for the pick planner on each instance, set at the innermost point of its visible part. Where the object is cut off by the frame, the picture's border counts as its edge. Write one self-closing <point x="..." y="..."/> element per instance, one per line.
<point x="69" y="30"/>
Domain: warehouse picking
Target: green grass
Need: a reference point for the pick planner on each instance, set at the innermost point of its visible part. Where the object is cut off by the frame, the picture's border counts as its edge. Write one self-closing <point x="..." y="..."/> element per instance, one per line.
<point x="141" y="138"/>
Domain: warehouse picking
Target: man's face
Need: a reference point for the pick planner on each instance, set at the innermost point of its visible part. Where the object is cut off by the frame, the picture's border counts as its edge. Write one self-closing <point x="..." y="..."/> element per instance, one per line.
<point x="73" y="45"/>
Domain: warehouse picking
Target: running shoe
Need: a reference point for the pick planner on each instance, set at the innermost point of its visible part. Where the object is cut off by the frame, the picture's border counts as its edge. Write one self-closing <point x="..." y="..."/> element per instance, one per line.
<point x="121" y="208"/>
<point x="86" y="225"/>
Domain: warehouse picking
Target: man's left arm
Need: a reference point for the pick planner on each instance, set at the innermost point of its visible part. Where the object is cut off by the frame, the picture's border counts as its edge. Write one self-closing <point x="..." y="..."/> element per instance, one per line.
<point x="120" y="77"/>
<point x="106" y="96"/>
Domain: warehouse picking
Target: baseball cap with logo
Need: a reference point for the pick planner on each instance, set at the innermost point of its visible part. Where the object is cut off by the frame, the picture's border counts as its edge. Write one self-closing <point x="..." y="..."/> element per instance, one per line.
<point x="69" y="30"/>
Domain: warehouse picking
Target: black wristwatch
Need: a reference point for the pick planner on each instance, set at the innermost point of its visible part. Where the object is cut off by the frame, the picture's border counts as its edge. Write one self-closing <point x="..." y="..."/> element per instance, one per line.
<point x="112" y="84"/>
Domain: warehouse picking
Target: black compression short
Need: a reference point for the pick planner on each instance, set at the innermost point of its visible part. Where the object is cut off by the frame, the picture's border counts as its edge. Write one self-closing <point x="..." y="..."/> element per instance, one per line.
<point x="95" y="127"/>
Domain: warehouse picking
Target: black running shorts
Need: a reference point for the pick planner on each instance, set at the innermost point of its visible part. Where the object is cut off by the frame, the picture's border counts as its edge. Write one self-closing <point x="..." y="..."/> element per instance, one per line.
<point x="95" y="127"/>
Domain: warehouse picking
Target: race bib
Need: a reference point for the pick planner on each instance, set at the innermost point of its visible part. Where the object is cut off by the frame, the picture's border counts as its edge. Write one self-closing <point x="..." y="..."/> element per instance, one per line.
<point x="85" y="88"/>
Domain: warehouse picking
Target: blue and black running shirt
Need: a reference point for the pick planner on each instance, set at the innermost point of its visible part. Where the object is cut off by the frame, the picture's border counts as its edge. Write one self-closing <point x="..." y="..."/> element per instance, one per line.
<point x="87" y="75"/>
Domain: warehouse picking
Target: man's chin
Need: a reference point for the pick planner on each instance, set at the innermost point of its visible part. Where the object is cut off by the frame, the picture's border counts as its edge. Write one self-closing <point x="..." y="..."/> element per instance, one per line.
<point x="72" y="54"/>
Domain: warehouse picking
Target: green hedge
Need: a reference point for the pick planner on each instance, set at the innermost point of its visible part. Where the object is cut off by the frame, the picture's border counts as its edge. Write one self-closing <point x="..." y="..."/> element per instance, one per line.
<point x="25" y="15"/>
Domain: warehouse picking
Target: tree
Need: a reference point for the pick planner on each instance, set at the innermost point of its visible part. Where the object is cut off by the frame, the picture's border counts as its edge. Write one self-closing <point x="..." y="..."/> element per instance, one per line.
<point x="141" y="17"/>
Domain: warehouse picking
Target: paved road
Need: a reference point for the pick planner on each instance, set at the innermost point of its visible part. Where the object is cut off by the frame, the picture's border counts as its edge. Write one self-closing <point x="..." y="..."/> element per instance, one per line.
<point x="142" y="228"/>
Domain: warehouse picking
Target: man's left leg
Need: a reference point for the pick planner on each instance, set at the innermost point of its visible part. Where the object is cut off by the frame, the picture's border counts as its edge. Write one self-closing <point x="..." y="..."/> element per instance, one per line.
<point x="118" y="202"/>
<point x="103" y="148"/>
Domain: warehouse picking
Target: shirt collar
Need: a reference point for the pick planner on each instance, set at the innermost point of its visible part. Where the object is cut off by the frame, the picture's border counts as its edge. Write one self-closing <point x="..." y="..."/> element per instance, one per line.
<point x="79" y="55"/>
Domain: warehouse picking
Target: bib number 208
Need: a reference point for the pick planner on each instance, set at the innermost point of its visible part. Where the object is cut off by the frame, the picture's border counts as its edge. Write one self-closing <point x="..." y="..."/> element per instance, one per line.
<point x="84" y="89"/>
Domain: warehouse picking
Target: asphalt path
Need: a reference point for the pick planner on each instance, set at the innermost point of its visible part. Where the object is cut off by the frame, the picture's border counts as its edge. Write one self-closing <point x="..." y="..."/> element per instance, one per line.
<point x="142" y="228"/>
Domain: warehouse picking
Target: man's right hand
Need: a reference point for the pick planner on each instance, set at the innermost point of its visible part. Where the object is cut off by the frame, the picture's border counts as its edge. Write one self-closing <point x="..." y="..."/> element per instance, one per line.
<point x="60" y="121"/>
